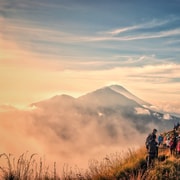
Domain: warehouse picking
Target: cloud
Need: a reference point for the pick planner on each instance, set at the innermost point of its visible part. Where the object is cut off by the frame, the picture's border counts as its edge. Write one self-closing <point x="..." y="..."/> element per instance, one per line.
<point x="142" y="111"/>
<point x="172" y="108"/>
<point x="152" y="24"/>
<point x="118" y="31"/>
<point x="167" y="117"/>
<point x="6" y="108"/>
<point x="28" y="33"/>
<point x="72" y="137"/>
<point x="150" y="35"/>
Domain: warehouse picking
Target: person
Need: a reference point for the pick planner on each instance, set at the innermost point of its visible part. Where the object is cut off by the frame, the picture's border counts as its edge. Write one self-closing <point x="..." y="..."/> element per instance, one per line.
<point x="176" y="126"/>
<point x="178" y="145"/>
<point x="152" y="148"/>
<point x="167" y="141"/>
<point x="150" y="137"/>
<point x="160" y="139"/>
<point x="172" y="145"/>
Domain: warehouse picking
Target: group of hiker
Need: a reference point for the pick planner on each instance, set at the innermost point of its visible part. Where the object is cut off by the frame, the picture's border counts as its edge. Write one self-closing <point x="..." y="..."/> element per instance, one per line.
<point x="169" y="140"/>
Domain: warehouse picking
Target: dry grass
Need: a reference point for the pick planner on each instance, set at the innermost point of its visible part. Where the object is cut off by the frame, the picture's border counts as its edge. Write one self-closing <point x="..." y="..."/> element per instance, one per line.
<point x="117" y="166"/>
<point x="25" y="168"/>
<point x="129" y="167"/>
<point x="113" y="166"/>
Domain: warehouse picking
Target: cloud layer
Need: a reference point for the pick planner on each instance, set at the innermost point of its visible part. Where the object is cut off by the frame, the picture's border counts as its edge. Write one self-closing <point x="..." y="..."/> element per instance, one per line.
<point x="73" y="138"/>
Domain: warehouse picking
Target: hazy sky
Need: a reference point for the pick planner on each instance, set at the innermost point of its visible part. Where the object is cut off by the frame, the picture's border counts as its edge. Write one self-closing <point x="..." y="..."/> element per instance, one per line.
<point x="76" y="46"/>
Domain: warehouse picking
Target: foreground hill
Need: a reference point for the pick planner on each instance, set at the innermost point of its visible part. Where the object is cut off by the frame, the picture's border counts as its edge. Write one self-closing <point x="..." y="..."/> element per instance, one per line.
<point x="115" y="166"/>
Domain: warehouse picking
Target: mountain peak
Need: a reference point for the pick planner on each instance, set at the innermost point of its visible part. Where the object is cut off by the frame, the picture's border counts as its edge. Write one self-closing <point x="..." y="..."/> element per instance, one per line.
<point x="117" y="87"/>
<point x="121" y="90"/>
<point x="107" y="96"/>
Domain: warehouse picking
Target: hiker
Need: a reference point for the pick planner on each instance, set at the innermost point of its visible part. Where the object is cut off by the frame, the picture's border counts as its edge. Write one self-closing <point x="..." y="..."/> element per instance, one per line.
<point x="150" y="137"/>
<point x="176" y="126"/>
<point x="172" y="145"/>
<point x="152" y="148"/>
<point x="175" y="134"/>
<point x="160" y="139"/>
<point x="178" y="145"/>
<point x="167" y="142"/>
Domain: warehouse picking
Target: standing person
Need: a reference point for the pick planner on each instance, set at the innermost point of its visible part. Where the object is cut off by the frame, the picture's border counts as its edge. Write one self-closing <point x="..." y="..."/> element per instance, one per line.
<point x="160" y="139"/>
<point x="167" y="141"/>
<point x="172" y="145"/>
<point x="178" y="145"/>
<point x="150" y="137"/>
<point x="152" y="148"/>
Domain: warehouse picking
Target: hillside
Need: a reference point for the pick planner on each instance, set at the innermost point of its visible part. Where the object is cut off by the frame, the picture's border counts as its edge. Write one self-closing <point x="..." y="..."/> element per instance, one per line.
<point x="115" y="166"/>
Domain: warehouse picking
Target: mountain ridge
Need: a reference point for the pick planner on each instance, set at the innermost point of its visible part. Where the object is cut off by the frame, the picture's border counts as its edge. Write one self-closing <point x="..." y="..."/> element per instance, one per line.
<point x="108" y="96"/>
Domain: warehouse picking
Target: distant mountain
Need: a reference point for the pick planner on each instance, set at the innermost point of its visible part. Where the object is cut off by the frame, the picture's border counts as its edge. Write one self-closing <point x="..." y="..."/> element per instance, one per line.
<point x="109" y="102"/>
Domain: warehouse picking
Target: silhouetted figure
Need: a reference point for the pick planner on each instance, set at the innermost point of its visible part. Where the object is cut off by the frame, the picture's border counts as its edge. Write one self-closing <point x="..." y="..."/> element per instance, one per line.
<point x="152" y="148"/>
<point x="150" y="137"/>
<point x="178" y="145"/>
<point x="176" y="126"/>
<point x="172" y="145"/>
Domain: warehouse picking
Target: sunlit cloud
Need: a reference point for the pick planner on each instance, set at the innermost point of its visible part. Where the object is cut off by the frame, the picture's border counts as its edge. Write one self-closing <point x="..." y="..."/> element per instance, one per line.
<point x="48" y="130"/>
<point x="142" y="111"/>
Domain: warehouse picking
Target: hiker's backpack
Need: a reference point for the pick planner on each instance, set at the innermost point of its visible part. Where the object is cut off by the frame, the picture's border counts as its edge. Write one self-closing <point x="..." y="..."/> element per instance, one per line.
<point x="152" y="147"/>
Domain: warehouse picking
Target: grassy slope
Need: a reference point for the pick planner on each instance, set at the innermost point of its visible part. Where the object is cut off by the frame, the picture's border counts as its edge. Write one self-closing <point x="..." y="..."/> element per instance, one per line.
<point x="132" y="166"/>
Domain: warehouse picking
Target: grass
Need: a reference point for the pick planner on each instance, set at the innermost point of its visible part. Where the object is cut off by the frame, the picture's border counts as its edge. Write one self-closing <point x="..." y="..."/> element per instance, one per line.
<point x="25" y="168"/>
<point x="117" y="166"/>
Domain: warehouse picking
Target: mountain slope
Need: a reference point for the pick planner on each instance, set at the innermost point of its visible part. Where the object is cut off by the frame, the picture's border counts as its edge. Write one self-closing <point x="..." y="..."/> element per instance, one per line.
<point x="107" y="96"/>
<point x="121" y="90"/>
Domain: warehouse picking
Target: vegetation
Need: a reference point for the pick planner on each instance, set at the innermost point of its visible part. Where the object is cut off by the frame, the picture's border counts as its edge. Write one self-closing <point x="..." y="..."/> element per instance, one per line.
<point x="117" y="166"/>
<point x="25" y="168"/>
<point x="112" y="167"/>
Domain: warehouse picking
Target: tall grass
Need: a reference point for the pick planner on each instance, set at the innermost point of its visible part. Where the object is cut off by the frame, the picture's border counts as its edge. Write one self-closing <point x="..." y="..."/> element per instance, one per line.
<point x="116" y="166"/>
<point x="113" y="166"/>
<point x="132" y="166"/>
<point x="25" y="168"/>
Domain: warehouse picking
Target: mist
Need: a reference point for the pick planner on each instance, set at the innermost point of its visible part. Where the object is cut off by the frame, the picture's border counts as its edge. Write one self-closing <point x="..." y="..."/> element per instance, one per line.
<point x="66" y="137"/>
<point x="73" y="131"/>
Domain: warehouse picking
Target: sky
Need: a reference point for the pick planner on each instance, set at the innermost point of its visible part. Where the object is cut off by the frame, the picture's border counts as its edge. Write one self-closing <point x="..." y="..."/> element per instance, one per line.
<point x="73" y="47"/>
<point x="77" y="46"/>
